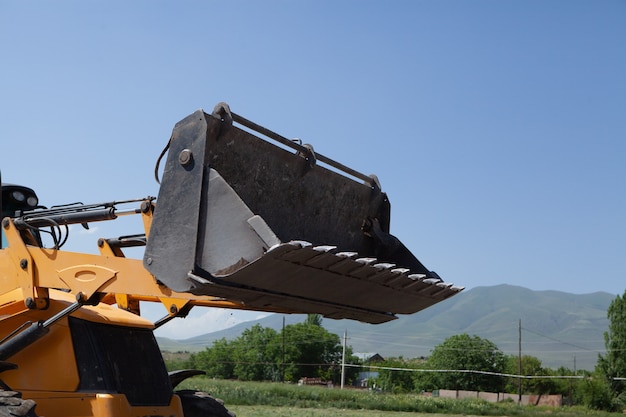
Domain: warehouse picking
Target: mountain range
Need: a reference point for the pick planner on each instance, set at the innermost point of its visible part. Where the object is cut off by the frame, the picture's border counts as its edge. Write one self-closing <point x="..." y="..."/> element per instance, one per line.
<point x="559" y="328"/>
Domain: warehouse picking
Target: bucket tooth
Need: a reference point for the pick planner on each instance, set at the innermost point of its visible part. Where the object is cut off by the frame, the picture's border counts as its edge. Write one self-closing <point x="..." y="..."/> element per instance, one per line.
<point x="383" y="266"/>
<point x="301" y="243"/>
<point x="325" y="248"/>
<point x="417" y="277"/>
<point x="419" y="283"/>
<point x="366" y="261"/>
<point x="385" y="273"/>
<point x="400" y="279"/>
<point x="429" y="289"/>
<point x="300" y="254"/>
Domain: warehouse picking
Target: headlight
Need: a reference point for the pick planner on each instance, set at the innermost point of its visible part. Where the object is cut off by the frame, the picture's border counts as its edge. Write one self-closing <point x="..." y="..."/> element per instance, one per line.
<point x="18" y="196"/>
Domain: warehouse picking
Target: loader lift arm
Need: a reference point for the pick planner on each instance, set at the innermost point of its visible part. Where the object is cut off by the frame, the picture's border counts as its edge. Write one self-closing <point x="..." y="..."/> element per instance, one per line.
<point x="110" y="277"/>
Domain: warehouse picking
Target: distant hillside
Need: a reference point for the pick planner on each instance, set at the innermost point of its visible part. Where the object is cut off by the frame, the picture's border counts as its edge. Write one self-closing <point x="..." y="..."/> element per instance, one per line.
<point x="559" y="328"/>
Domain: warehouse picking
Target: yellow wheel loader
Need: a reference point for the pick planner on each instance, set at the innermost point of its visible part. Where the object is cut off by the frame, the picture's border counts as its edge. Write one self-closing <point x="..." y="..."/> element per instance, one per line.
<point x="244" y="219"/>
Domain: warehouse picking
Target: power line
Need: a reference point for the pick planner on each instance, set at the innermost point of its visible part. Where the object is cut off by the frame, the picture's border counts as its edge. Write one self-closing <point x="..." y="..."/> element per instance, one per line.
<point x="559" y="341"/>
<point x="470" y="371"/>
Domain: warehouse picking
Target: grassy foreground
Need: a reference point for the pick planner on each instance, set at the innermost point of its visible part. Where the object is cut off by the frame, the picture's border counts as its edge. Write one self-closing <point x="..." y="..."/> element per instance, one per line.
<point x="268" y="411"/>
<point x="276" y="399"/>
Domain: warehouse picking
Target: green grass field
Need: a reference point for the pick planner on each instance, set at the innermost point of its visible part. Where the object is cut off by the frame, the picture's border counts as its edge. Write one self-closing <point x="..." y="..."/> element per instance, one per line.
<point x="276" y="399"/>
<point x="268" y="411"/>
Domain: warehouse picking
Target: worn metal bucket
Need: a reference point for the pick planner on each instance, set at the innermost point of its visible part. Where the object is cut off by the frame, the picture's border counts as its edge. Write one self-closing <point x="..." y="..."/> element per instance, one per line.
<point x="277" y="225"/>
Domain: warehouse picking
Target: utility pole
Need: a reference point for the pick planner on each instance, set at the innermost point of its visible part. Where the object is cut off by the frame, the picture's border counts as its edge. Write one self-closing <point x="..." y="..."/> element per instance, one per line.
<point x="571" y="400"/>
<point x="343" y="358"/>
<point x="519" y="360"/>
<point x="282" y="365"/>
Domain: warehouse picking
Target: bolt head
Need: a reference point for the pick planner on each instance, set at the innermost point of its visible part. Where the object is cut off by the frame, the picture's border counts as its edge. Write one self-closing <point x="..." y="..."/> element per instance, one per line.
<point x="145" y="206"/>
<point x="185" y="158"/>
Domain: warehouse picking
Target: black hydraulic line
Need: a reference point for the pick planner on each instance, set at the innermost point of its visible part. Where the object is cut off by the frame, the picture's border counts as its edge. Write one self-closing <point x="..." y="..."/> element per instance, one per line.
<point x="183" y="312"/>
<point x="127" y="241"/>
<point x="74" y="214"/>
<point x="26" y="338"/>
<point x="163" y="320"/>
<point x="46" y="219"/>
<point x="16" y="342"/>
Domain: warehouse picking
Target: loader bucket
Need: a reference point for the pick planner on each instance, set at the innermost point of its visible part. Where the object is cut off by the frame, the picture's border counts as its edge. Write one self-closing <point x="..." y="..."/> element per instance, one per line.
<point x="276" y="225"/>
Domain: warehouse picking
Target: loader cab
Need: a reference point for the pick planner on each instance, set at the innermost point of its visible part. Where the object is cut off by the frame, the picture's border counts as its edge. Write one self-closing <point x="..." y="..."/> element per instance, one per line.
<point x="14" y="200"/>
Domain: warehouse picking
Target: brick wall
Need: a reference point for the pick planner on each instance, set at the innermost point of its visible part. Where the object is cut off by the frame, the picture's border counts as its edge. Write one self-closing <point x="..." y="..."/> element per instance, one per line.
<point x="549" y="400"/>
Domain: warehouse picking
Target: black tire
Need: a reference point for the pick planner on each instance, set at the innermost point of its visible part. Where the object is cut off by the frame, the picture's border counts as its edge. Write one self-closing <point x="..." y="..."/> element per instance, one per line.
<point x="201" y="404"/>
<point x="12" y="405"/>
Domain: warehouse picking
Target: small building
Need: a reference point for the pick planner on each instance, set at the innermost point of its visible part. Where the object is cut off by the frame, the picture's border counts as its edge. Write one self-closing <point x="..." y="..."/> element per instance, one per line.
<point x="365" y="376"/>
<point x="369" y="357"/>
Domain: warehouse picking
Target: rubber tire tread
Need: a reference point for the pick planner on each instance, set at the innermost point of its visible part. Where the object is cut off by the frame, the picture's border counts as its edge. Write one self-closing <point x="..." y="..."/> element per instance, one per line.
<point x="201" y="404"/>
<point x="13" y="405"/>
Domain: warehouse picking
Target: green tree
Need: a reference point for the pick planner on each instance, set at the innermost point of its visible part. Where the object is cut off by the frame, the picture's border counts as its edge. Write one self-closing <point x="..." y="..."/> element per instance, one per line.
<point x="256" y="354"/>
<point x="531" y="366"/>
<point x="314" y="319"/>
<point x="567" y="387"/>
<point x="425" y="381"/>
<point x="395" y="380"/>
<point x="310" y="351"/>
<point x="175" y="360"/>
<point x="462" y="352"/>
<point x="612" y="365"/>
<point x="594" y="392"/>
<point x="217" y="361"/>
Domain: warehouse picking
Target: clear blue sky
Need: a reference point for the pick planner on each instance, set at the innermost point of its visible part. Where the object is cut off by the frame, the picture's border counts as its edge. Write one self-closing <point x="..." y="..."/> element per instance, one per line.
<point x="497" y="128"/>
